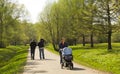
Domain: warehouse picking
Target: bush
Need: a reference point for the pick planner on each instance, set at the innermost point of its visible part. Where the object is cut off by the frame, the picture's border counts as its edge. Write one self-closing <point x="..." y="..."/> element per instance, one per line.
<point x="116" y="37"/>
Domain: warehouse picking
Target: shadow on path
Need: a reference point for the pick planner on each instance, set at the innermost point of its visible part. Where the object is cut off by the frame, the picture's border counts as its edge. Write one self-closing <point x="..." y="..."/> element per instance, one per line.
<point x="45" y="59"/>
<point x="32" y="63"/>
<point x="76" y="69"/>
<point x="50" y="59"/>
<point x="40" y="71"/>
<point x="37" y="71"/>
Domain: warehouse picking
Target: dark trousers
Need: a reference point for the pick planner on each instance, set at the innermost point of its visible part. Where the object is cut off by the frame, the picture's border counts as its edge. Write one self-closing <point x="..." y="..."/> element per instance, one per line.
<point x="32" y="53"/>
<point x="60" y="56"/>
<point x="41" y="50"/>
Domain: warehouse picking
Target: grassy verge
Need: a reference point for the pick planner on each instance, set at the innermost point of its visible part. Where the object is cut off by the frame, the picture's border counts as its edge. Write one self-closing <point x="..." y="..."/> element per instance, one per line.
<point x="12" y="59"/>
<point x="51" y="49"/>
<point x="98" y="57"/>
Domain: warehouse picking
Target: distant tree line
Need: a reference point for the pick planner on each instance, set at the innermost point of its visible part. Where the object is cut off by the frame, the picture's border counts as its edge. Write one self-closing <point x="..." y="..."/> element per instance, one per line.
<point x="14" y="28"/>
<point x="81" y="21"/>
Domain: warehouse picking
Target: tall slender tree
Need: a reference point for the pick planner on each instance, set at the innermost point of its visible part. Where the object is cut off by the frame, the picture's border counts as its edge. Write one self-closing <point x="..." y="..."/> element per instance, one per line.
<point x="108" y="11"/>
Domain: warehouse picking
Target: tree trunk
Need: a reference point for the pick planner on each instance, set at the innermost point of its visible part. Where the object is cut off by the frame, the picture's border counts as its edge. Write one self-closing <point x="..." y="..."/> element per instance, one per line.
<point x="109" y="40"/>
<point x="83" y="40"/>
<point x="75" y="41"/>
<point x="54" y="46"/>
<point x="109" y="28"/>
<point x="91" y="40"/>
<point x="2" y="44"/>
<point x="58" y="34"/>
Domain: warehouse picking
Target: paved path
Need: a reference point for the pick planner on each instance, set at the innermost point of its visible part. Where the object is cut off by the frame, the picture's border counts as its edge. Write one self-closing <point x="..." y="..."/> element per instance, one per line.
<point x="51" y="65"/>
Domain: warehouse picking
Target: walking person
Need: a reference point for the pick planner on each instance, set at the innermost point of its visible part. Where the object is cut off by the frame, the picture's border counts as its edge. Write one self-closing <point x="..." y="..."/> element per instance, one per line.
<point x="41" y="48"/>
<point x="62" y="44"/>
<point x="33" y="45"/>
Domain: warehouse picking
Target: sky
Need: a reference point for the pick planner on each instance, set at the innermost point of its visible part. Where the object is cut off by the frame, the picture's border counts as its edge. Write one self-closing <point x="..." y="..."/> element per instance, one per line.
<point x="34" y="7"/>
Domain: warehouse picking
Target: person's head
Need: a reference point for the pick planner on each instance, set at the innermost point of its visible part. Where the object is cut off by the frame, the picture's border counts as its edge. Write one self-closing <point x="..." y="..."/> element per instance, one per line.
<point x="63" y="40"/>
<point x="41" y="40"/>
<point x="33" y="40"/>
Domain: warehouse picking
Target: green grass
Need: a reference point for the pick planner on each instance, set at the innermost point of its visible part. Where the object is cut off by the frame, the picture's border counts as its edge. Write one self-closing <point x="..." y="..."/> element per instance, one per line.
<point x="12" y="59"/>
<point x="51" y="49"/>
<point x="98" y="57"/>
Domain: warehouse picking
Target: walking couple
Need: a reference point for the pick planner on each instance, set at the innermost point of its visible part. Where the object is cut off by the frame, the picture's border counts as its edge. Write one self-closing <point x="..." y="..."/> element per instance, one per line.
<point x="40" y="44"/>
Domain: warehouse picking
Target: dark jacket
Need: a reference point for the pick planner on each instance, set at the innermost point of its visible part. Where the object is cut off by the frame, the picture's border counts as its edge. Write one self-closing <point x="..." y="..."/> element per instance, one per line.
<point x="61" y="46"/>
<point x="33" y="45"/>
<point x="41" y="44"/>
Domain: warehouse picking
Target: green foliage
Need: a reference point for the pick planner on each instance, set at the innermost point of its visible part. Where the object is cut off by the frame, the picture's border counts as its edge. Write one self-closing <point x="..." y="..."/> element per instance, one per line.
<point x="116" y="37"/>
<point x="102" y="38"/>
<point x="13" y="58"/>
<point x="74" y="18"/>
<point x="51" y="49"/>
<point x="97" y="57"/>
<point x="10" y="13"/>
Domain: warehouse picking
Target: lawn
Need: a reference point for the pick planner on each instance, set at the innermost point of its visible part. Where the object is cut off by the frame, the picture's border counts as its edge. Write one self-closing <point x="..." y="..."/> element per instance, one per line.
<point x="97" y="57"/>
<point x="12" y="59"/>
<point x="51" y="49"/>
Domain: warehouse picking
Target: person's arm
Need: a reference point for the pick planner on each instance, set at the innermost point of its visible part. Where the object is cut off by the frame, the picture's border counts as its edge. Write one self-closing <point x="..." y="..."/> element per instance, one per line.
<point x="60" y="46"/>
<point x="31" y="44"/>
<point x="36" y="43"/>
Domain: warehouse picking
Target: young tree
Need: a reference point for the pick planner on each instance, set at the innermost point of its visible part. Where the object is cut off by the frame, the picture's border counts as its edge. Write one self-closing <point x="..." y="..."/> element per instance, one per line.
<point x="10" y="12"/>
<point x="108" y="11"/>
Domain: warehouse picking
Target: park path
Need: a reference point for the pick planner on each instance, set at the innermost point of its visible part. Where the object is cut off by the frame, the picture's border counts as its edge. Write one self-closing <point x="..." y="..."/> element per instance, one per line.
<point x="51" y="65"/>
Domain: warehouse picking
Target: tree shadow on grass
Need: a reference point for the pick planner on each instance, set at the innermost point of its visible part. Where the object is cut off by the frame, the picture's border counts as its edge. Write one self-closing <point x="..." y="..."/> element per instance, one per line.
<point x="110" y="52"/>
<point x="87" y="48"/>
<point x="22" y="52"/>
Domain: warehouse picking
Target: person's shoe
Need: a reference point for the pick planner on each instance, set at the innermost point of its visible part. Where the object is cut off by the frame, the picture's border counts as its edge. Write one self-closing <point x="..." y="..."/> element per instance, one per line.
<point x="33" y="58"/>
